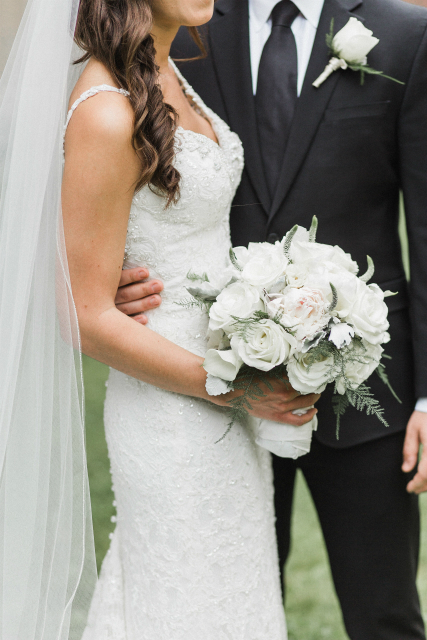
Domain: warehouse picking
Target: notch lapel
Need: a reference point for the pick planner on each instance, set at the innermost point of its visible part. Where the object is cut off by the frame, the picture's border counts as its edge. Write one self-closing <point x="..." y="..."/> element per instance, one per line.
<point x="230" y="49"/>
<point x="312" y="102"/>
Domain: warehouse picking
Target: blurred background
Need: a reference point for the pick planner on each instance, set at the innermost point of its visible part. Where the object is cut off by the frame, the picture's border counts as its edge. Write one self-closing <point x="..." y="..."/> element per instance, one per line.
<point x="312" y="608"/>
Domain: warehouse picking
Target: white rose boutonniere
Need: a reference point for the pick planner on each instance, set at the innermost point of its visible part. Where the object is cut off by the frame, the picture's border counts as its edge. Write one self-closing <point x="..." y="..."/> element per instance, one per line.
<point x="349" y="49"/>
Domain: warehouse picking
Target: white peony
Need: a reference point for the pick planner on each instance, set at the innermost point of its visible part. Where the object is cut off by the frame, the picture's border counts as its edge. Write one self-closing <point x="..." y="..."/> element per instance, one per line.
<point x="267" y="345"/>
<point x="262" y="263"/>
<point x="368" y="314"/>
<point x="303" y="310"/>
<point x="353" y="42"/>
<point x="311" y="378"/>
<point x="222" y="364"/>
<point x="239" y="299"/>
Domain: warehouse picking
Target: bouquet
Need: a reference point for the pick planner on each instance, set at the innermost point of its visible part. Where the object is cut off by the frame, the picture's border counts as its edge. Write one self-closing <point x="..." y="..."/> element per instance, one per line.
<point x="296" y="310"/>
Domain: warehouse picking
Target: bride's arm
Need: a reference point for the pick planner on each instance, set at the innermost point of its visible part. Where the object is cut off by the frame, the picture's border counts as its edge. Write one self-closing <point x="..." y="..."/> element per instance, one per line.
<point x="100" y="172"/>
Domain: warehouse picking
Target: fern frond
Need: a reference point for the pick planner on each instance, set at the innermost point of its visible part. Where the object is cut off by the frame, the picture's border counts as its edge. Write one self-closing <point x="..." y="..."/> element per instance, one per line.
<point x="380" y="370"/>
<point x="339" y="405"/>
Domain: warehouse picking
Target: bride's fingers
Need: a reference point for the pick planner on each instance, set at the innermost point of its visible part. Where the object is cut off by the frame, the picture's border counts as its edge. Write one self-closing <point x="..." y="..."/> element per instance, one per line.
<point x="297" y="421"/>
<point x="300" y="402"/>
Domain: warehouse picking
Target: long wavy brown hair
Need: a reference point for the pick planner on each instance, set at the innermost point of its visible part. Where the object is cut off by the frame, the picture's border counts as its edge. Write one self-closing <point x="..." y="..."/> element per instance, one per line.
<point x="117" y="34"/>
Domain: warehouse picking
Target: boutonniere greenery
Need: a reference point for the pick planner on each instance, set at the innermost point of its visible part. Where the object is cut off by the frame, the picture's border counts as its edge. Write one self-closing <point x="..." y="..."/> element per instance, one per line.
<point x="349" y="49"/>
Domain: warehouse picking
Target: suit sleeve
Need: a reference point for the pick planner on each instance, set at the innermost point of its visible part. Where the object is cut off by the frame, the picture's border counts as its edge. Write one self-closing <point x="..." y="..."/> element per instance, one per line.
<point x="412" y="140"/>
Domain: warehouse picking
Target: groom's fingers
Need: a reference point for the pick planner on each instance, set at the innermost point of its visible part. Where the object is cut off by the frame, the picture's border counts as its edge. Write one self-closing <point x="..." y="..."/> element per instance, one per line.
<point x="416" y="434"/>
<point x="138" y="292"/>
<point x="133" y="275"/>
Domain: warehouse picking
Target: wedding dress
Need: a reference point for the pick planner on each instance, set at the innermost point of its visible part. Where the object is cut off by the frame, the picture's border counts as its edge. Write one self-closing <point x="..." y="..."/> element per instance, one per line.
<point x="193" y="556"/>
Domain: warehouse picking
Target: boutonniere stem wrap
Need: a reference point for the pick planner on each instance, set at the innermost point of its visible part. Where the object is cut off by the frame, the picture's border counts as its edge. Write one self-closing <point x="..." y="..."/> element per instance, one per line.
<point x="349" y="49"/>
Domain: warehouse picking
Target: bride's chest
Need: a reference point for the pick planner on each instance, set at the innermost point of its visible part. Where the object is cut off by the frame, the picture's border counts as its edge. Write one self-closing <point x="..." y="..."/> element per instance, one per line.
<point x="210" y="174"/>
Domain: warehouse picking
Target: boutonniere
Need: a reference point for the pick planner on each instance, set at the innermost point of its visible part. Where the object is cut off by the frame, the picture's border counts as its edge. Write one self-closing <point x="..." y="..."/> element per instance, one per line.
<point x="349" y="49"/>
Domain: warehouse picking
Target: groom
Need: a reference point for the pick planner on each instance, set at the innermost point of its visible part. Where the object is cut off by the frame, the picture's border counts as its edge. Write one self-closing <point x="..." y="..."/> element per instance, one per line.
<point x="343" y="152"/>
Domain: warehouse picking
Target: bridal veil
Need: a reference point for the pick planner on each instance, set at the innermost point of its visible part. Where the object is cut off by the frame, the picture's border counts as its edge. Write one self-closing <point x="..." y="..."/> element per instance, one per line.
<point x="46" y="543"/>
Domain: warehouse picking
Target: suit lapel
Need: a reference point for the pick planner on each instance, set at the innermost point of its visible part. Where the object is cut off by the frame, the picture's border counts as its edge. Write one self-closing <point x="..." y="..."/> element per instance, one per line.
<point x="312" y="102"/>
<point x="229" y="45"/>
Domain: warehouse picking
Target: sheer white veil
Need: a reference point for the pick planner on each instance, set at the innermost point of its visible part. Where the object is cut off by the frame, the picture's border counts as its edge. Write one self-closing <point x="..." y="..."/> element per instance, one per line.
<point x="47" y="566"/>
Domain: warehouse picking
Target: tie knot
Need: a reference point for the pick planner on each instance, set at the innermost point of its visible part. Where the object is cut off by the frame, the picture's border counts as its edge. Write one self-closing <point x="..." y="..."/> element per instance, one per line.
<point x="284" y="13"/>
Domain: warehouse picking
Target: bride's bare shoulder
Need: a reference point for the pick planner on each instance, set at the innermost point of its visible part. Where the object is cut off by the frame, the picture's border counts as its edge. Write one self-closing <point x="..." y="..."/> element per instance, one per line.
<point x="107" y="115"/>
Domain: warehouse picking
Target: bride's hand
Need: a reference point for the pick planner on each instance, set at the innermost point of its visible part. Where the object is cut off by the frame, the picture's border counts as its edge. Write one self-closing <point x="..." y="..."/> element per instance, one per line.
<point x="135" y="296"/>
<point x="277" y="405"/>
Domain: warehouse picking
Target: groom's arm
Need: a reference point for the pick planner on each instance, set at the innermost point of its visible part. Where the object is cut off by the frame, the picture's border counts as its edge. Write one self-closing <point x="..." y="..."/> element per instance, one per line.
<point x="413" y="171"/>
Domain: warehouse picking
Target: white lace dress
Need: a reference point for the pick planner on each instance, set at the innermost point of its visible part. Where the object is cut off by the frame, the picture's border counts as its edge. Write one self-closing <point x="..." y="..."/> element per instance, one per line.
<point x="193" y="556"/>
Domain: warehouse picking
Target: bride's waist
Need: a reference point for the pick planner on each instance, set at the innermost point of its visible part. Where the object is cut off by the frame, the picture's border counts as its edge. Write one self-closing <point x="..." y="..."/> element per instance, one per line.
<point x="185" y="326"/>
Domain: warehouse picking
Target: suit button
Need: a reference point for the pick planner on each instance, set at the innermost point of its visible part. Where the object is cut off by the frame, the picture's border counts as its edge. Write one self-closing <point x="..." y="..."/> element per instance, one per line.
<point x="272" y="238"/>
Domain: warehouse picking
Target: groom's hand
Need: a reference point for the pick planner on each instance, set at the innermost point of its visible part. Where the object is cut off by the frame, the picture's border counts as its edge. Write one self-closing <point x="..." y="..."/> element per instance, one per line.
<point x="416" y="435"/>
<point x="135" y="295"/>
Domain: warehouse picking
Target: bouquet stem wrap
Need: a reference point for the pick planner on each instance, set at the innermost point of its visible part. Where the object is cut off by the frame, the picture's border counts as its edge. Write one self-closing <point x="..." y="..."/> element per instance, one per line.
<point x="286" y="440"/>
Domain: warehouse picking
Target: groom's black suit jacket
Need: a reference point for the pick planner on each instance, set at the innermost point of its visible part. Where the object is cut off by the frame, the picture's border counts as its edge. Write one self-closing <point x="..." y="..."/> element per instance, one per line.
<point x="351" y="149"/>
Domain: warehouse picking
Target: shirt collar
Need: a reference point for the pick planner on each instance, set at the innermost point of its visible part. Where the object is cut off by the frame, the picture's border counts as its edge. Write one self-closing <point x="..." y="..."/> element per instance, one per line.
<point x="260" y="11"/>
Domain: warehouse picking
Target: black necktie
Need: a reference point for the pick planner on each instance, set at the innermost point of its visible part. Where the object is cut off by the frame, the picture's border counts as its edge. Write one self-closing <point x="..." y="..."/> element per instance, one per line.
<point x="276" y="94"/>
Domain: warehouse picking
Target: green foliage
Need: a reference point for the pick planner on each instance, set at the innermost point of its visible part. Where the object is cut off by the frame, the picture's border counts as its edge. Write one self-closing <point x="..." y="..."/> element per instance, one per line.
<point x="384" y="377"/>
<point x="234" y="261"/>
<point x="194" y="277"/>
<point x="330" y="37"/>
<point x="334" y="298"/>
<point x="196" y="302"/>
<point x="313" y="229"/>
<point x="288" y="241"/>
<point x="370" y="270"/>
<point x="249" y="381"/>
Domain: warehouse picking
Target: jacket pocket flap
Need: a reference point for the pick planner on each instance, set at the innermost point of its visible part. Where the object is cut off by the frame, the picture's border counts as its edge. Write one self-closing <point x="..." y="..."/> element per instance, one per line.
<point x="374" y="109"/>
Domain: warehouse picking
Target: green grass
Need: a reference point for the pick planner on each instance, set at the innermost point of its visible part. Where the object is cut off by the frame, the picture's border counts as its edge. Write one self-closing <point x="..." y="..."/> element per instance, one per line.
<point x="312" y="608"/>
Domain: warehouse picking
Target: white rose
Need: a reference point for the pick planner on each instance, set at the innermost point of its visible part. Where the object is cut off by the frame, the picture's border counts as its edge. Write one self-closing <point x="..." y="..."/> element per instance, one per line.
<point x="266" y="346"/>
<point x="347" y="286"/>
<point x="238" y="299"/>
<point x="222" y="364"/>
<point x="217" y="339"/>
<point x="262" y="263"/>
<point x="368" y="359"/>
<point x="311" y="378"/>
<point x="303" y="310"/>
<point x="314" y="253"/>
<point x="296" y="274"/>
<point x="353" y="42"/>
<point x="368" y="314"/>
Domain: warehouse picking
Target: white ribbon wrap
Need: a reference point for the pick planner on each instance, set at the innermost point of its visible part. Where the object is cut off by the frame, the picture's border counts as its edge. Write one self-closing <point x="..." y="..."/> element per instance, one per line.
<point x="334" y="65"/>
<point x="286" y="440"/>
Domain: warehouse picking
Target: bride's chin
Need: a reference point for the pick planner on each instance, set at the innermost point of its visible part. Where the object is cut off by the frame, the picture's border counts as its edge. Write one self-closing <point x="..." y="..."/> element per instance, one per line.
<point x="199" y="14"/>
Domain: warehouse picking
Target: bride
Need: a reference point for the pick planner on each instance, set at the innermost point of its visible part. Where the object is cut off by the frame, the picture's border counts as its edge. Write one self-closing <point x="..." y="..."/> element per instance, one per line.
<point x="149" y="176"/>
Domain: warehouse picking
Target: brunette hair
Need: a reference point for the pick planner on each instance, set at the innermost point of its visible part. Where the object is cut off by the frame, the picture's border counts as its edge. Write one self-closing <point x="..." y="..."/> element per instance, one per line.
<point x="117" y="34"/>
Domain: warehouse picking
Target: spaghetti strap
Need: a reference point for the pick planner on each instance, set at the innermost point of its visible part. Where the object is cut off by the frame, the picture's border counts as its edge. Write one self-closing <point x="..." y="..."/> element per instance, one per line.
<point x="93" y="91"/>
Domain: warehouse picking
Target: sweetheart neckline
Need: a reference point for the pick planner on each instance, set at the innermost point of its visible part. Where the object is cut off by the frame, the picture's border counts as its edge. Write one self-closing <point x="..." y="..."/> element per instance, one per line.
<point x="196" y="133"/>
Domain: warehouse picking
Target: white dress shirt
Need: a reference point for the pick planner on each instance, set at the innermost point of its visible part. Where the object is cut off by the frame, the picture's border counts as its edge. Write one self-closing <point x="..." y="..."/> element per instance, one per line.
<point x="304" y="28"/>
